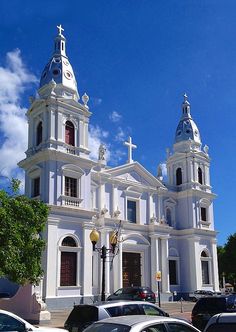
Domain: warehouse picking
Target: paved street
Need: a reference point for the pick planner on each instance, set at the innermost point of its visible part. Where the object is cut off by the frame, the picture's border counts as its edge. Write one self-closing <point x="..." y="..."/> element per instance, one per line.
<point x="175" y="309"/>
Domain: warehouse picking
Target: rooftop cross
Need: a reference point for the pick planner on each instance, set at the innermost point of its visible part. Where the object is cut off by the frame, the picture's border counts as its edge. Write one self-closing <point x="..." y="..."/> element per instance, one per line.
<point x="130" y="147"/>
<point x="60" y="29"/>
<point x="185" y="97"/>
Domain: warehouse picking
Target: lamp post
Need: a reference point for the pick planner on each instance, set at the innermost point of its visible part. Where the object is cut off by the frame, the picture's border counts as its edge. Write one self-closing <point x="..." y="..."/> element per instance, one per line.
<point x="104" y="251"/>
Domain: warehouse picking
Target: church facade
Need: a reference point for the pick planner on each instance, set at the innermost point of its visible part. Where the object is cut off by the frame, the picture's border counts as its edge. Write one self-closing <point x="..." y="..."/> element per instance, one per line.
<point x="163" y="226"/>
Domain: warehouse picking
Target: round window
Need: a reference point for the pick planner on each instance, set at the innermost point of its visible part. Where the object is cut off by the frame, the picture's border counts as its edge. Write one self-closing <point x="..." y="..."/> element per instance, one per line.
<point x="68" y="75"/>
<point x="56" y="72"/>
<point x="57" y="60"/>
<point x="66" y="62"/>
<point x="179" y="132"/>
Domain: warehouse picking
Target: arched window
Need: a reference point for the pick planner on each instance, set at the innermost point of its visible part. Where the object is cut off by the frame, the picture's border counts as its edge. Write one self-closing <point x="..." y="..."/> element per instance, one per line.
<point x="39" y="133"/>
<point x="200" y="175"/>
<point x="70" y="133"/>
<point x="205" y="268"/>
<point x="68" y="263"/>
<point x="178" y="176"/>
<point x="168" y="216"/>
<point x="68" y="242"/>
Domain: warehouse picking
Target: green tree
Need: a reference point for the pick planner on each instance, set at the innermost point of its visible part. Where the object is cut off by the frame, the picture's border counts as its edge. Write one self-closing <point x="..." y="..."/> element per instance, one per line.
<point x="22" y="220"/>
<point x="227" y="259"/>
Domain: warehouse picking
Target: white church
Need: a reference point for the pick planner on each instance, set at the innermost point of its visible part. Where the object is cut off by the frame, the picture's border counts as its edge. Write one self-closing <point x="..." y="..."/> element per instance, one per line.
<point x="165" y="226"/>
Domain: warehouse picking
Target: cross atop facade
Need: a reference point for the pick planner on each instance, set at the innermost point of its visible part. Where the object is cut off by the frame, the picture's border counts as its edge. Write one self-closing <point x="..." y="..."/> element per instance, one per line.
<point x="130" y="147"/>
<point x="60" y="29"/>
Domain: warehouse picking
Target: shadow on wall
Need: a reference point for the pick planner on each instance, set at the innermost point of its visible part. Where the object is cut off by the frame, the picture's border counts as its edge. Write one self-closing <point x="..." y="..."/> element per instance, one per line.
<point x="26" y="304"/>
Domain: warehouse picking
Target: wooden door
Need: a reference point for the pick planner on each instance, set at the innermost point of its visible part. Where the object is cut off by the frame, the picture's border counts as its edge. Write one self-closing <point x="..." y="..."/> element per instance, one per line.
<point x="131" y="269"/>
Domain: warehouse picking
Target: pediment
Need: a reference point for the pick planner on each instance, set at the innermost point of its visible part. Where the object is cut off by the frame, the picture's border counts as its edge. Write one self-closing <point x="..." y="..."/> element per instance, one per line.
<point x="134" y="175"/>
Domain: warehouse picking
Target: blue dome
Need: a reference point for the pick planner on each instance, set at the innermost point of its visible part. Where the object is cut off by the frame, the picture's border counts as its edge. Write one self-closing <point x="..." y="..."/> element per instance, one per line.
<point x="60" y="70"/>
<point x="187" y="129"/>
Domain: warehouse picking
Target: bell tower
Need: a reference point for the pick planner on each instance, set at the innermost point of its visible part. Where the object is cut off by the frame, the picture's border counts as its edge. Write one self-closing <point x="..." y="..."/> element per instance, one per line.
<point x="188" y="174"/>
<point x="58" y="134"/>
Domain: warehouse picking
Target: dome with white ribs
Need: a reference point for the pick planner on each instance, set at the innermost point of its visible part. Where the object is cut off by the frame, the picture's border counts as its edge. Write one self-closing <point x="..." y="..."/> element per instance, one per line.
<point x="58" y="72"/>
<point x="187" y="128"/>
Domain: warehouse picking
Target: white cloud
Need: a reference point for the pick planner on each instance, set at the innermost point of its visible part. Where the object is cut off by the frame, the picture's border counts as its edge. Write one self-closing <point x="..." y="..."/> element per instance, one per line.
<point x="115" y="116"/>
<point x="96" y="137"/>
<point x="95" y="101"/>
<point x="120" y="136"/>
<point x="15" y="78"/>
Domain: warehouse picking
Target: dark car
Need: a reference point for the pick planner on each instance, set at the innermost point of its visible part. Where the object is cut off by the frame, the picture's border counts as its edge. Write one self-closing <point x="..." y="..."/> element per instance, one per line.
<point x="83" y="315"/>
<point x="134" y="293"/>
<point x="208" y="306"/>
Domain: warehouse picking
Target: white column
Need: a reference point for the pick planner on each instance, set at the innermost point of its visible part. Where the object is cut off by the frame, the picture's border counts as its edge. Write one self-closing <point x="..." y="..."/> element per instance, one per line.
<point x="60" y="127"/>
<point x="195" y="269"/>
<point x="117" y="269"/>
<point x="114" y="199"/>
<point x="150" y="207"/>
<point x="30" y="132"/>
<point x="81" y="134"/>
<point x="155" y="264"/>
<point x="101" y="197"/>
<point x="165" y="265"/>
<point x="53" y="260"/>
<point x="86" y="135"/>
<point x="159" y="206"/>
<point x="105" y="241"/>
<point x="194" y="177"/>
<point x="87" y="266"/>
<point x="206" y="175"/>
<point x="46" y="127"/>
<point x="215" y="273"/>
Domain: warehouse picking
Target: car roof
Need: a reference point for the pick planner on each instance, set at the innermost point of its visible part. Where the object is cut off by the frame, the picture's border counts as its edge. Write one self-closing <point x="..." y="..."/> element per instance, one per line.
<point x="138" y="319"/>
<point x="229" y="317"/>
<point x="114" y="303"/>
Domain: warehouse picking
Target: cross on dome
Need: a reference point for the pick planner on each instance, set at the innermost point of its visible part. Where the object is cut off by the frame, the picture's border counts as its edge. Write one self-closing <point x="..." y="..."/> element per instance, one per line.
<point x="130" y="146"/>
<point x="185" y="97"/>
<point x="60" y="29"/>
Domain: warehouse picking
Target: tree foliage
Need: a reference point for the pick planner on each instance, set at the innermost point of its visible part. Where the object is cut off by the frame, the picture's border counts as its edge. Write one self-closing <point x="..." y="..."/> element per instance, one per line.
<point x="227" y="259"/>
<point x="22" y="220"/>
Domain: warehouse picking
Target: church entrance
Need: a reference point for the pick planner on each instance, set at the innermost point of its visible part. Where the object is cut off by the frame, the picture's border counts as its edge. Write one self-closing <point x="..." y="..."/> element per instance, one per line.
<point x="131" y="269"/>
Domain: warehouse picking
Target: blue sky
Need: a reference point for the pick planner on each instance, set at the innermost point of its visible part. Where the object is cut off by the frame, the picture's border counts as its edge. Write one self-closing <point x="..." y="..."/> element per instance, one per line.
<point x="135" y="59"/>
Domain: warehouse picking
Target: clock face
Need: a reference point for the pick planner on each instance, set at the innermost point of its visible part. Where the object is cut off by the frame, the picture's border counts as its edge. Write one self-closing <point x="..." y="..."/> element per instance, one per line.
<point x="68" y="75"/>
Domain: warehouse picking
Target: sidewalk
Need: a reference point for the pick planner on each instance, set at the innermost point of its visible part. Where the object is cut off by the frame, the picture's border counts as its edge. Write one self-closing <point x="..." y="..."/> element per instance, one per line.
<point x="174" y="309"/>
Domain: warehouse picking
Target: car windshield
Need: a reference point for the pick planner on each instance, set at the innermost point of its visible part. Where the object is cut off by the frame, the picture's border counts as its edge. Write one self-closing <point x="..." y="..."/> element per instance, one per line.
<point x="107" y="327"/>
<point x="83" y="314"/>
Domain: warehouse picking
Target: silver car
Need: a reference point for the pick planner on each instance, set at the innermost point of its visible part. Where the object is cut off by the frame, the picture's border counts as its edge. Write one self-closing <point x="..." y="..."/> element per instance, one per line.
<point x="83" y="315"/>
<point x="141" y="324"/>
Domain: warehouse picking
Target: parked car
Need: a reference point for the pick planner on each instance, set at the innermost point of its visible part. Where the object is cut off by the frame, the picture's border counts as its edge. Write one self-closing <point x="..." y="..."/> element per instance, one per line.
<point x="134" y="293"/>
<point x="200" y="293"/>
<point x="11" y="322"/>
<point x="140" y="324"/>
<point x="206" y="307"/>
<point x="83" y="315"/>
<point x="222" y="322"/>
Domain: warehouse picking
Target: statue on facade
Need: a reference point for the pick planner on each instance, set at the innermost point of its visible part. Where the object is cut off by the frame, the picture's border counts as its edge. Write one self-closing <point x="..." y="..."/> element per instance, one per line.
<point x="101" y="152"/>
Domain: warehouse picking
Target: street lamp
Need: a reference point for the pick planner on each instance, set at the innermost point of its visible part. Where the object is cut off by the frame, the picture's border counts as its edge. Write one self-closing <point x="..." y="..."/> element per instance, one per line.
<point x="94" y="237"/>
